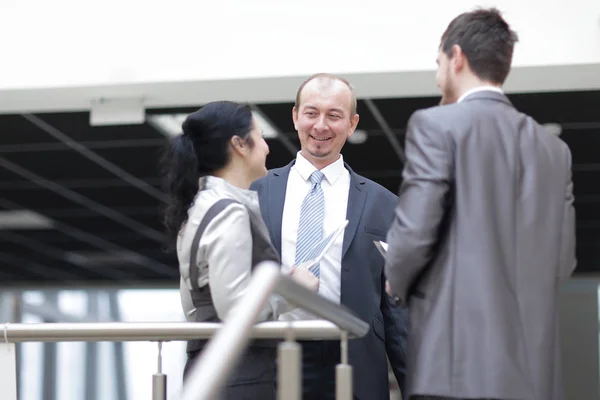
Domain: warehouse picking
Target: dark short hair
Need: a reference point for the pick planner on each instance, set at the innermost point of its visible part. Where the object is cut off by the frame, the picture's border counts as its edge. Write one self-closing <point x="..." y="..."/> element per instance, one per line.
<point x="486" y="40"/>
<point x="328" y="77"/>
<point x="204" y="147"/>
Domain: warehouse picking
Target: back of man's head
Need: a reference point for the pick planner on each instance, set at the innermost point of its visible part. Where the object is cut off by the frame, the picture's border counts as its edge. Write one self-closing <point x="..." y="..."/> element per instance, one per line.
<point x="486" y="40"/>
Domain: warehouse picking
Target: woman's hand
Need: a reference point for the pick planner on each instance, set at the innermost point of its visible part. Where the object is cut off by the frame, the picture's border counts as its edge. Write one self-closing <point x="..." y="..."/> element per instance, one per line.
<point x="305" y="278"/>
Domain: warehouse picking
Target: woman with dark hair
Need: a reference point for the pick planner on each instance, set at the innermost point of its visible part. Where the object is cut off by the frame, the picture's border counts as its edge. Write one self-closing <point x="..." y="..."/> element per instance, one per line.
<point x="215" y="221"/>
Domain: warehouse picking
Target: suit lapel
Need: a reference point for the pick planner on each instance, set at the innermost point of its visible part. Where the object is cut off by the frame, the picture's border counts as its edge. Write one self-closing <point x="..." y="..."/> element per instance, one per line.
<point x="276" y="193"/>
<point x="356" y="202"/>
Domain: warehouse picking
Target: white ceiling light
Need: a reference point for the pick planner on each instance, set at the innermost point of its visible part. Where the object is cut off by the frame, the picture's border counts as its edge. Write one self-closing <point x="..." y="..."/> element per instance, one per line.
<point x="268" y="130"/>
<point x="553" y="129"/>
<point x="167" y="124"/>
<point x="117" y="111"/>
<point x="24" y="219"/>
<point x="170" y="124"/>
<point x="358" y="137"/>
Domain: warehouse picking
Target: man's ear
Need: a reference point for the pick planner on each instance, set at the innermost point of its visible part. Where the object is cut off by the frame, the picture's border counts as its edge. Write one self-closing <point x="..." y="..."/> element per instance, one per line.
<point x="354" y="121"/>
<point x="295" y="117"/>
<point x="458" y="58"/>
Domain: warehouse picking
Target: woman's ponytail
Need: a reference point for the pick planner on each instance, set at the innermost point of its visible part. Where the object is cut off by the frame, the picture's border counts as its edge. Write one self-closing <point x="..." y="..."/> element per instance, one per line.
<point x="180" y="181"/>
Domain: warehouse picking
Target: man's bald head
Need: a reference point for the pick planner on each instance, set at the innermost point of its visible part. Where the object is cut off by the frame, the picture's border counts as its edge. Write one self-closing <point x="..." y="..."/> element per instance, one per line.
<point x="324" y="82"/>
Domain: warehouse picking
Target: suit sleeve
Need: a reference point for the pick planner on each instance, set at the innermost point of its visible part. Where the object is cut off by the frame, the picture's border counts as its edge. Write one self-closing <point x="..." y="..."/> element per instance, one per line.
<point x="395" y="320"/>
<point x="568" y="260"/>
<point x="421" y="203"/>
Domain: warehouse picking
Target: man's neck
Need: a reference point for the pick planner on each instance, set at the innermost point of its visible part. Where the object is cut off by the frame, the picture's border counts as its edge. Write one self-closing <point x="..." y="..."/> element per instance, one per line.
<point x="319" y="163"/>
<point x="475" y="84"/>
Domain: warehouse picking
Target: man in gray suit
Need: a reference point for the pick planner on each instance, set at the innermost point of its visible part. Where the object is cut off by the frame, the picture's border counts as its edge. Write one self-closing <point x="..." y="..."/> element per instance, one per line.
<point x="351" y="273"/>
<point x="484" y="231"/>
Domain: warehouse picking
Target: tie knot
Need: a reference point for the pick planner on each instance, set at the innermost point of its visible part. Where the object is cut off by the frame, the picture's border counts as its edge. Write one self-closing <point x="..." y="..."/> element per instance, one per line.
<point x="316" y="177"/>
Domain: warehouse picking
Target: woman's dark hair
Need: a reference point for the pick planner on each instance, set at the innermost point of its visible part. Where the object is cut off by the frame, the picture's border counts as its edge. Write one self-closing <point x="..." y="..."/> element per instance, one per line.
<point x="202" y="149"/>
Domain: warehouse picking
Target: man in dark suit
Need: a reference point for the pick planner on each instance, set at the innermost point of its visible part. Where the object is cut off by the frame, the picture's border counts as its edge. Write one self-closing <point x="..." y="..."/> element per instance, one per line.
<point x="310" y="198"/>
<point x="484" y="231"/>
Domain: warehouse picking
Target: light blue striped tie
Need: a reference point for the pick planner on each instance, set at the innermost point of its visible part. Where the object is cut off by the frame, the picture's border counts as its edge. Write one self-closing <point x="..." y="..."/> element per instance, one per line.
<point x="310" y="228"/>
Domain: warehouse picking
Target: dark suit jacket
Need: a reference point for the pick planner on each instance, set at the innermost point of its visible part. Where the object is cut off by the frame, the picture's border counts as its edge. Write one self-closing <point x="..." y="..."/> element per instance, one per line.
<point x="370" y="212"/>
<point x="483" y="235"/>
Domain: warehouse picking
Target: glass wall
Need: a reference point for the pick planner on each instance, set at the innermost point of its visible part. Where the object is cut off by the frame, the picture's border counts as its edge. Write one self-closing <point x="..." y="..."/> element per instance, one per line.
<point x="105" y="370"/>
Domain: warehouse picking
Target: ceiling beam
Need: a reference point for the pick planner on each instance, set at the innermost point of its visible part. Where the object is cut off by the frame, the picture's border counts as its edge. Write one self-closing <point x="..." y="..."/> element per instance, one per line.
<point x="58" y="254"/>
<point x="37" y="269"/>
<point x="104" y="244"/>
<point x="95" y="157"/>
<point x="84" y="201"/>
<point x="282" y="138"/>
<point x="91" y="144"/>
<point x="74" y="183"/>
<point x="387" y="131"/>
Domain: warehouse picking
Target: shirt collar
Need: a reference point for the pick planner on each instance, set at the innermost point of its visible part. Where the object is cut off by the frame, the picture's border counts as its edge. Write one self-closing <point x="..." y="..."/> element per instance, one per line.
<point x="332" y="172"/>
<point x="246" y="197"/>
<point x="479" y="89"/>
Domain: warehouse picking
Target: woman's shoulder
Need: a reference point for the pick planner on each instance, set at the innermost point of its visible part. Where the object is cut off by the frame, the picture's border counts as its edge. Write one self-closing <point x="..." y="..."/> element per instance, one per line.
<point x="215" y="203"/>
<point x="220" y="215"/>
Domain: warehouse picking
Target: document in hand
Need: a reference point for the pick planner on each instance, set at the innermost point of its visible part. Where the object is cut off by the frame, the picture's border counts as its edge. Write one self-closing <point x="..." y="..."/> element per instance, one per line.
<point x="381" y="246"/>
<point x="323" y="247"/>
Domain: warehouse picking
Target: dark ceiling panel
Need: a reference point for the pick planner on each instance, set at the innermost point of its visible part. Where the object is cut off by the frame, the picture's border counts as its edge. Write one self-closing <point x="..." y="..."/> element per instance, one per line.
<point x="38" y="199"/>
<point x="279" y="114"/>
<point x="586" y="182"/>
<point x="559" y="107"/>
<point x="375" y="154"/>
<point x="279" y="155"/>
<point x="582" y="137"/>
<point x="588" y="260"/>
<point x="587" y="211"/>
<point x="584" y="145"/>
<point x="101" y="226"/>
<point x="58" y="165"/>
<point x="9" y="242"/>
<point x="140" y="162"/>
<point x="391" y="184"/>
<point x="8" y="175"/>
<point x="366" y="119"/>
<point x="40" y="256"/>
<point x="14" y="129"/>
<point x="77" y="127"/>
<point x="398" y="111"/>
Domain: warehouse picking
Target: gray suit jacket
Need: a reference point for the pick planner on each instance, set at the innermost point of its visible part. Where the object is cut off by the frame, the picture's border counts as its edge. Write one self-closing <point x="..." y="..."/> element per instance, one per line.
<point x="483" y="234"/>
<point x="370" y="211"/>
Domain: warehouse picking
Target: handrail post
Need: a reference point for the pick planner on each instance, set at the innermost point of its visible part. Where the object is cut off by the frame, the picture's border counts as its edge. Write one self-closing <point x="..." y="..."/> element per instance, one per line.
<point x="159" y="380"/>
<point x="212" y="369"/>
<point x="289" y="369"/>
<point x="343" y="372"/>
<point x="8" y="369"/>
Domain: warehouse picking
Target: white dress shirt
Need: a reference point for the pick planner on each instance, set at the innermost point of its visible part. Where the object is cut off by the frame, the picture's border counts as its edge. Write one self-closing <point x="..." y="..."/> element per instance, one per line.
<point x="225" y="245"/>
<point x="479" y="89"/>
<point x="336" y="186"/>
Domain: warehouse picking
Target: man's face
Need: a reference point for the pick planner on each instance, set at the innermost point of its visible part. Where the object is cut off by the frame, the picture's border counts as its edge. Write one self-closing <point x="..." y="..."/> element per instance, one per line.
<point x="324" y="121"/>
<point x="445" y="79"/>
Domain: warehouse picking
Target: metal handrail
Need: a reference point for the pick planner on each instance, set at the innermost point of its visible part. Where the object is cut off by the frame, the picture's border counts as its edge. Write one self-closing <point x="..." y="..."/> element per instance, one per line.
<point x="342" y="320"/>
<point x="158" y="331"/>
<point x="212" y="369"/>
<point x="321" y="307"/>
<point x="228" y="340"/>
